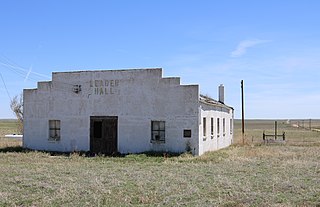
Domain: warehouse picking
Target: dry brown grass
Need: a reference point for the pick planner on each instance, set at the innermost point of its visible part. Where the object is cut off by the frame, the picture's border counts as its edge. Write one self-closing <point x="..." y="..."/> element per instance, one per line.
<point x="250" y="175"/>
<point x="9" y="142"/>
<point x="294" y="136"/>
<point x="8" y="126"/>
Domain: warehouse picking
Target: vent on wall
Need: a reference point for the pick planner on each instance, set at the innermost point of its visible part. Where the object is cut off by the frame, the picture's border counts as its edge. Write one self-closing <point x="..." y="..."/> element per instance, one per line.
<point x="187" y="133"/>
<point x="76" y="89"/>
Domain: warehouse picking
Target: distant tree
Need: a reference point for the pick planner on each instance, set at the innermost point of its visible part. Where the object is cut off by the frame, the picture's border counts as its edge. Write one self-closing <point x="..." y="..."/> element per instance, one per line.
<point x="16" y="106"/>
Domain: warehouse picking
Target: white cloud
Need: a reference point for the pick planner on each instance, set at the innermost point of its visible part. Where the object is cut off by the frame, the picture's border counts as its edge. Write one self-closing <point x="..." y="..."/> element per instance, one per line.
<point x="244" y="45"/>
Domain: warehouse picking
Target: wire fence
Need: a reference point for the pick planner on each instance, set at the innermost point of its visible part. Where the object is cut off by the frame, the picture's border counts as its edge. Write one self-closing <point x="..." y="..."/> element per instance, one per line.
<point x="308" y="124"/>
<point x="296" y="132"/>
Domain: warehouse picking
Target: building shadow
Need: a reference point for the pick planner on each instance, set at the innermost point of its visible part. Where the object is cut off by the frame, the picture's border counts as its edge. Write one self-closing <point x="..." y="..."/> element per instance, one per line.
<point x="13" y="149"/>
<point x="20" y="149"/>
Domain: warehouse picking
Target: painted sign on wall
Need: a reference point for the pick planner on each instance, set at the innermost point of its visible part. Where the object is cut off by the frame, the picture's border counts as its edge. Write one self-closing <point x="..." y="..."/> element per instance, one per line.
<point x="105" y="87"/>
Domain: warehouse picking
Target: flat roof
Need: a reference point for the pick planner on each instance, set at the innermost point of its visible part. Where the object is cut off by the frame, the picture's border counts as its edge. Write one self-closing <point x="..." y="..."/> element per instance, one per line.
<point x="110" y="70"/>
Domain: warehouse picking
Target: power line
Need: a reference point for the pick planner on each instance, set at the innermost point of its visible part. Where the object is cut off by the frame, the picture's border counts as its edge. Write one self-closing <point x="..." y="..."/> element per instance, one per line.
<point x="23" y="72"/>
<point x="5" y="86"/>
<point x="26" y="73"/>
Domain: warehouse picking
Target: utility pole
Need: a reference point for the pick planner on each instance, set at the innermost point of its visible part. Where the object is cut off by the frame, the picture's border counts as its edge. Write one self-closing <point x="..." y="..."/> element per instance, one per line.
<point x="310" y="124"/>
<point x="242" y="102"/>
<point x="275" y="130"/>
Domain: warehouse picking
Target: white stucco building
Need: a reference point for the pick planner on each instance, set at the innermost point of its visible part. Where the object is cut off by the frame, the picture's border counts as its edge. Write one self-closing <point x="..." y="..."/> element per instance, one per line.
<point x="125" y="111"/>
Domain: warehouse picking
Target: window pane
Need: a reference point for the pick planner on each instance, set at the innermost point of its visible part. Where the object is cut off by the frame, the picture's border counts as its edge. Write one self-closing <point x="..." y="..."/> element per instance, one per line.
<point x="52" y="124"/>
<point x="211" y="126"/>
<point x="162" y="125"/>
<point x="155" y="135"/>
<point x="57" y="134"/>
<point x="58" y="124"/>
<point x="155" y="125"/>
<point x="224" y="125"/>
<point x="204" y="126"/>
<point x="162" y="135"/>
<point x="52" y="133"/>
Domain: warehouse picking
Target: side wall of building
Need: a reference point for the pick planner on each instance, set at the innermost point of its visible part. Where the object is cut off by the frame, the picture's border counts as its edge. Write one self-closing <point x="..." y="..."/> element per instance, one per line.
<point x="136" y="97"/>
<point x="217" y="131"/>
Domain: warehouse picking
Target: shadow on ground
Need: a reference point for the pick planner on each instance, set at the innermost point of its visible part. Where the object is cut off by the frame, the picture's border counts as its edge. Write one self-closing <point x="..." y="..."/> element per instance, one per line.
<point x="13" y="149"/>
<point x="19" y="149"/>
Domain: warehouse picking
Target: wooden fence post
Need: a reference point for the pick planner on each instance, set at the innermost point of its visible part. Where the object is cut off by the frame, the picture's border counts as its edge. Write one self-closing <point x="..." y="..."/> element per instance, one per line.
<point x="275" y="130"/>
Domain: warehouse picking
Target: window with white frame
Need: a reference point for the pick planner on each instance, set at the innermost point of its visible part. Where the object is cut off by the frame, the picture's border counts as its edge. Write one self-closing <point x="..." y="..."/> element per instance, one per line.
<point x="212" y="128"/>
<point x="158" y="132"/>
<point x="224" y="126"/>
<point x="204" y="124"/>
<point x="218" y="127"/>
<point x="54" y="130"/>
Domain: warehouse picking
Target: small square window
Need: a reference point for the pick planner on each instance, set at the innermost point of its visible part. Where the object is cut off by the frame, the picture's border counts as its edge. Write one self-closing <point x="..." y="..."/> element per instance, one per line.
<point x="187" y="133"/>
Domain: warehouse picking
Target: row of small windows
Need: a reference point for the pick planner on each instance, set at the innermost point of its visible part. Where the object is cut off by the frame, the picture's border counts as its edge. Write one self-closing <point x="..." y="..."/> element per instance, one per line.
<point x="204" y="124"/>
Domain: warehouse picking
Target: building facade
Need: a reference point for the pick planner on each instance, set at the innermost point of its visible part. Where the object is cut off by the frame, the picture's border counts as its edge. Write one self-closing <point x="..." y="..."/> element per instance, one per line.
<point x="125" y="111"/>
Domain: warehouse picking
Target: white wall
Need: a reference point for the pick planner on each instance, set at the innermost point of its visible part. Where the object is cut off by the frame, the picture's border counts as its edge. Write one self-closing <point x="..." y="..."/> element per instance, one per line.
<point x="218" y="140"/>
<point x="136" y="96"/>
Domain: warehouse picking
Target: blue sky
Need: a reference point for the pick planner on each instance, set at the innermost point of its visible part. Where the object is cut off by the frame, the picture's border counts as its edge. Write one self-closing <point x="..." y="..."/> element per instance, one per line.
<point x="274" y="46"/>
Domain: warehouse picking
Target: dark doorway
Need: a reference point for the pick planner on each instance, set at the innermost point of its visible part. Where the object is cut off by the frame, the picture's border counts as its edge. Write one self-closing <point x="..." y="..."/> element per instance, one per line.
<point x="103" y="134"/>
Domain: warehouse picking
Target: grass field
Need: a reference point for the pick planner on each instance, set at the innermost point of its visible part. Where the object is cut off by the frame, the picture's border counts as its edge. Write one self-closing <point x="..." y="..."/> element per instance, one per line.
<point x="8" y="126"/>
<point x="294" y="136"/>
<point x="251" y="175"/>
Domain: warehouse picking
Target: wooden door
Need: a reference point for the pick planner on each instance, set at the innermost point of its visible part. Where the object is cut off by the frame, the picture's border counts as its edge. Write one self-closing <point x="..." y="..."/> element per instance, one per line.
<point x="103" y="134"/>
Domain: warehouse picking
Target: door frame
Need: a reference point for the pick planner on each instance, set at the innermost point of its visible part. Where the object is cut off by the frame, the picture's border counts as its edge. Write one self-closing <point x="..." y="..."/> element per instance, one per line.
<point x="91" y="132"/>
